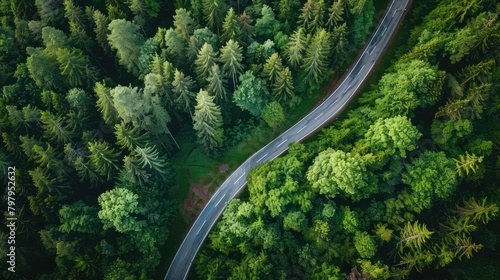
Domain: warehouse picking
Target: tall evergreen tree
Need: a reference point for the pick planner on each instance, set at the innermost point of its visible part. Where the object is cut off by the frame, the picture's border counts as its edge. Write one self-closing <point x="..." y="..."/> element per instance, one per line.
<point x="317" y="57"/>
<point x="76" y="67"/>
<point x="101" y="30"/>
<point x="231" y="27"/>
<point x="295" y="48"/>
<point x="272" y="67"/>
<point x="104" y="159"/>
<point x="231" y="55"/>
<point x="208" y="122"/>
<point x="204" y="62"/>
<point x="282" y="88"/>
<point x="214" y="11"/>
<point x="183" y="87"/>
<point x="126" y="39"/>
<point x="105" y="103"/>
<point x="217" y="84"/>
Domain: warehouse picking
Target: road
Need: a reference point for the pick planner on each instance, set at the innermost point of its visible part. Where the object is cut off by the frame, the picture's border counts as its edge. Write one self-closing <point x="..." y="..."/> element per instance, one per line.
<point x="317" y="118"/>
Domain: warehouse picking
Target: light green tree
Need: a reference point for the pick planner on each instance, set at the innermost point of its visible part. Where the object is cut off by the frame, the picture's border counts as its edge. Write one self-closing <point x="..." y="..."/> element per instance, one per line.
<point x="273" y="114"/>
<point x="282" y="88"/>
<point x="208" y="122"/>
<point x="119" y="208"/>
<point x="204" y="62"/>
<point x="231" y="56"/>
<point x="126" y="39"/>
<point x="316" y="58"/>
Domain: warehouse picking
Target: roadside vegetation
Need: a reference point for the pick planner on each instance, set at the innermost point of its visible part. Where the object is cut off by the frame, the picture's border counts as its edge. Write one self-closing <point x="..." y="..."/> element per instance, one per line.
<point x="109" y="108"/>
<point x="403" y="185"/>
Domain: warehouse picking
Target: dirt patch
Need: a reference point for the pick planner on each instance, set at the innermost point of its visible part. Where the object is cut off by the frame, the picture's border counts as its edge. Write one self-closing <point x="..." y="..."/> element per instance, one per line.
<point x="199" y="194"/>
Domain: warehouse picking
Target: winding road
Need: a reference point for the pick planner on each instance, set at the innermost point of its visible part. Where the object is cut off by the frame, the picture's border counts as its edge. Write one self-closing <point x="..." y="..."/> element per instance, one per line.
<point x="317" y="118"/>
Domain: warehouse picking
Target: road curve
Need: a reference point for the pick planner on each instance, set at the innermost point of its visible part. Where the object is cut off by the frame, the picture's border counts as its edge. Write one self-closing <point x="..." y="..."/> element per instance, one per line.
<point x="317" y="118"/>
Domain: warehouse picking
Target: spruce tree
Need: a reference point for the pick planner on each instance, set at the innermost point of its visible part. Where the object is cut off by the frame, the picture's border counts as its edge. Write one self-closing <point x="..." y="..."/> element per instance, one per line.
<point x="208" y="122"/>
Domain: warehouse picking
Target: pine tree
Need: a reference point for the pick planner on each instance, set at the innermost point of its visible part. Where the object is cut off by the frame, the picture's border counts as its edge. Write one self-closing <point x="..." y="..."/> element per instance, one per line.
<point x="467" y="163"/>
<point x="247" y="30"/>
<point x="231" y="28"/>
<point x="183" y="87"/>
<point x="101" y="30"/>
<point x="126" y="39"/>
<point x="50" y="159"/>
<point x="184" y="24"/>
<point x="283" y="86"/>
<point x="311" y="16"/>
<point x="76" y="67"/>
<point x="217" y="84"/>
<point x="27" y="144"/>
<point x="148" y="157"/>
<point x="295" y="48"/>
<point x="316" y="59"/>
<point x="103" y="158"/>
<point x="413" y="236"/>
<point x="272" y="67"/>
<point x="54" y="128"/>
<point x="129" y="137"/>
<point x="105" y="104"/>
<point x="231" y="55"/>
<point x="214" y="11"/>
<point x="336" y="12"/>
<point x="208" y="122"/>
<point x="204" y="62"/>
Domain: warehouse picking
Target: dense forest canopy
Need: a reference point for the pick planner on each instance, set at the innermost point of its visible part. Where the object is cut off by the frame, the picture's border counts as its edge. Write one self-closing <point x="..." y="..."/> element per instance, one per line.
<point x="403" y="185"/>
<point x="95" y="94"/>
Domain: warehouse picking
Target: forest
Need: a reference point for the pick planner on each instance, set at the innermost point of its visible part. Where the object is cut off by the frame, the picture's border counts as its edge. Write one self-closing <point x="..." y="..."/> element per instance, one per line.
<point x="96" y="95"/>
<point x="404" y="185"/>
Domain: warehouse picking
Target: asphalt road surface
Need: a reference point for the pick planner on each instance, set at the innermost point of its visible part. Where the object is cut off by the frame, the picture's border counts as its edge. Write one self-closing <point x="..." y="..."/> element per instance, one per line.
<point x="322" y="114"/>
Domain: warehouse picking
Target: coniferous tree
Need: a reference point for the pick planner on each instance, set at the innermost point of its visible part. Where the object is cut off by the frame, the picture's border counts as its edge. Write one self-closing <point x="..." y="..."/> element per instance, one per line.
<point x="247" y="30"/>
<point x="101" y="30"/>
<point x="126" y="39"/>
<point x="231" y="56"/>
<point x="214" y="11"/>
<point x="54" y="128"/>
<point x="231" y="28"/>
<point x="282" y="88"/>
<point x="148" y="157"/>
<point x="129" y="137"/>
<point x="204" y="62"/>
<point x="295" y="48"/>
<point x="208" y="122"/>
<point x="184" y="24"/>
<point x="103" y="158"/>
<point x="217" y="84"/>
<point x="183" y="87"/>
<point x="336" y="13"/>
<point x="316" y="58"/>
<point x="105" y="103"/>
<point x="272" y="67"/>
<point x="76" y="67"/>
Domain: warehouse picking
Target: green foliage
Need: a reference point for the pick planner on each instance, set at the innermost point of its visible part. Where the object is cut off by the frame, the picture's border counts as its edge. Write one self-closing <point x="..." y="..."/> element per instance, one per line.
<point x="432" y="178"/>
<point x="316" y="60"/>
<point x="125" y="38"/>
<point x="252" y="94"/>
<point x="208" y="122"/>
<point x="365" y="245"/>
<point x="103" y="158"/>
<point x="337" y="172"/>
<point x="273" y="114"/>
<point x="117" y="209"/>
<point x="231" y="56"/>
